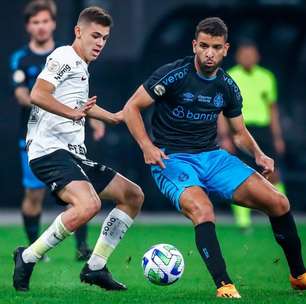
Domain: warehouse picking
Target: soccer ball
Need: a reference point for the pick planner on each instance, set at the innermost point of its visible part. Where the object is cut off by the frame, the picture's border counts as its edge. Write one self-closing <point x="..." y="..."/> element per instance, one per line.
<point x="163" y="264"/>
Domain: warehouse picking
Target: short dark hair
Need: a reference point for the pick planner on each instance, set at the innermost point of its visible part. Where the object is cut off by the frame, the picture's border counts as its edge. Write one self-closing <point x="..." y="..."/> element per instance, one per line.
<point x="36" y="6"/>
<point x="97" y="15"/>
<point x="213" y="26"/>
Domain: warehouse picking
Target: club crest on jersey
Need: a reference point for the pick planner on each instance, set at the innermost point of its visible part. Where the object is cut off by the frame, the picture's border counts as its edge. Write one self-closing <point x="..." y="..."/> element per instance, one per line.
<point x="159" y="90"/>
<point x="218" y="100"/>
<point x="53" y="66"/>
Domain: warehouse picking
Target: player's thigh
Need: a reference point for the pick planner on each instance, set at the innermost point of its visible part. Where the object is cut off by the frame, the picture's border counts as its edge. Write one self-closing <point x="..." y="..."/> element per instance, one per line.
<point x="225" y="173"/>
<point x="67" y="180"/>
<point x="79" y="193"/>
<point x="122" y="190"/>
<point x="196" y="205"/>
<point x="178" y="175"/>
<point x="258" y="193"/>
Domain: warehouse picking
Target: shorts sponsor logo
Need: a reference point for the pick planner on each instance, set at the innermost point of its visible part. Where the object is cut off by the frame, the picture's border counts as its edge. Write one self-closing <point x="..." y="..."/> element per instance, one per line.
<point x="64" y="69"/>
<point x="183" y="177"/>
<point x="218" y="100"/>
<point x="159" y="90"/>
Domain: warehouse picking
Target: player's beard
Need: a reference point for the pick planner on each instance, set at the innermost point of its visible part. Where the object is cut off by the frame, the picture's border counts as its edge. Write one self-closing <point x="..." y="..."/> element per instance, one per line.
<point x="206" y="69"/>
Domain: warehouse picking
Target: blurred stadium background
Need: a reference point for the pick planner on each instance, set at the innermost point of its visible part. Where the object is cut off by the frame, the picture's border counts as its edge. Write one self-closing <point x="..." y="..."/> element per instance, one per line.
<point x="146" y="35"/>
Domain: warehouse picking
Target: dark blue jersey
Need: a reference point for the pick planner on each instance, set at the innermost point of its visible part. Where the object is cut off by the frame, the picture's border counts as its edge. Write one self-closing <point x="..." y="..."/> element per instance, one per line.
<point x="187" y="106"/>
<point x="25" y="66"/>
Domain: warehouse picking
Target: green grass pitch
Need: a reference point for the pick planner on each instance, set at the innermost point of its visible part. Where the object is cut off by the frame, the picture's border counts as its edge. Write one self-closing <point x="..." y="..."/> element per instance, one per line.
<point x="255" y="263"/>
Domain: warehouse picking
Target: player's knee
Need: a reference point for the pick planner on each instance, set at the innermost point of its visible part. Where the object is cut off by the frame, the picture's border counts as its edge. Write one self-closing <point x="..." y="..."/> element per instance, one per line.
<point x="281" y="204"/>
<point x="135" y="197"/>
<point x="91" y="208"/>
<point x="200" y="213"/>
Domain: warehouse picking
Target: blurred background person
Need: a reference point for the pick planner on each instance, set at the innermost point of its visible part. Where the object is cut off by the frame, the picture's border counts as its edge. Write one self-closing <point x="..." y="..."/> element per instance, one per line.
<point x="26" y="63"/>
<point x="259" y="91"/>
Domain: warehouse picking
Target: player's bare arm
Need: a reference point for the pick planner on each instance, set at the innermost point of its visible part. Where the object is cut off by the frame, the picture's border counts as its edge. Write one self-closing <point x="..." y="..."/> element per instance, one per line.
<point x="22" y="95"/>
<point x="132" y="117"/>
<point x="224" y="136"/>
<point x="101" y="114"/>
<point x="41" y="95"/>
<point x="244" y="140"/>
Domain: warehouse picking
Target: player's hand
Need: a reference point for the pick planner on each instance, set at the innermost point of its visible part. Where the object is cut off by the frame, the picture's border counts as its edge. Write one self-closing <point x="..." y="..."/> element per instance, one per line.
<point x="266" y="163"/>
<point x="154" y="156"/>
<point x="78" y="114"/>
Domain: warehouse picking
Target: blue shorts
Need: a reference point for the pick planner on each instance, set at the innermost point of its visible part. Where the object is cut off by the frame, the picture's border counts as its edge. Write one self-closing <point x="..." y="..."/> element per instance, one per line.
<point x="29" y="180"/>
<point x="217" y="172"/>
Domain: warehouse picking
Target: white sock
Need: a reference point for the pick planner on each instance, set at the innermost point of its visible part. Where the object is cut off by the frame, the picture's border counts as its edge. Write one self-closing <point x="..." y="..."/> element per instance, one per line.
<point x="114" y="228"/>
<point x="50" y="238"/>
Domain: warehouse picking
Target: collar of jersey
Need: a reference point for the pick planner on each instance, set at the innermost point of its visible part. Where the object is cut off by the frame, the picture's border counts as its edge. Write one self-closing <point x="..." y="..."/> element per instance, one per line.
<point x="76" y="54"/>
<point x="206" y="78"/>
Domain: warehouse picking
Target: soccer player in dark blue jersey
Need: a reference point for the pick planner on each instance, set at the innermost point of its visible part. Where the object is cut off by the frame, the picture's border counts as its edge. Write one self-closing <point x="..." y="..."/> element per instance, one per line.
<point x="26" y="64"/>
<point x="187" y="164"/>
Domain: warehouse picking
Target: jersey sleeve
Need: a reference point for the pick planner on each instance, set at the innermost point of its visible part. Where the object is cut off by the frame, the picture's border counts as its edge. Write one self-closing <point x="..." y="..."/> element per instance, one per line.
<point x="165" y="79"/>
<point x="233" y="107"/>
<point x="18" y="74"/>
<point x="57" y="68"/>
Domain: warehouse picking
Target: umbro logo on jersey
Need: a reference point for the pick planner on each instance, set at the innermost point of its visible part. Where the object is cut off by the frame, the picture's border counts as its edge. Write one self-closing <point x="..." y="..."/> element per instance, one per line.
<point x="83" y="78"/>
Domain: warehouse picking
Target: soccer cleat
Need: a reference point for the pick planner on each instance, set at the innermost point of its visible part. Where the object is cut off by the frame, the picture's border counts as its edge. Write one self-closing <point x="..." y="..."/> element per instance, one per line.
<point x="299" y="282"/>
<point x="22" y="271"/>
<point x="83" y="253"/>
<point x="228" y="291"/>
<point x="101" y="278"/>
